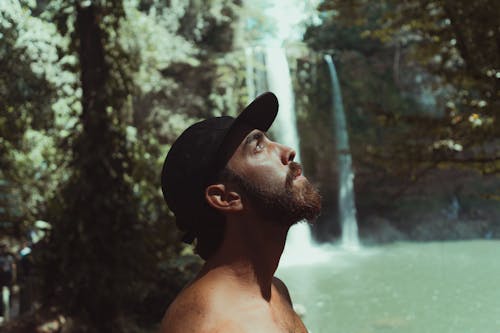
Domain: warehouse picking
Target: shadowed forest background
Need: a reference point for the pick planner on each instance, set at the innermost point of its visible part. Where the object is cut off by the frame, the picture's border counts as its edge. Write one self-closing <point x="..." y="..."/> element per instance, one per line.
<point x="92" y="94"/>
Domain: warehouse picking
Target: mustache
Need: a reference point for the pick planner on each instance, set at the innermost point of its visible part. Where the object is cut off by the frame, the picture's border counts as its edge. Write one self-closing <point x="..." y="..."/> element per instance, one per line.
<point x="294" y="170"/>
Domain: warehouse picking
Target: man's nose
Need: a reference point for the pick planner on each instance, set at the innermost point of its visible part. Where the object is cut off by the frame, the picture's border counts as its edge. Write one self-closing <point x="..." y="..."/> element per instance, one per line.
<point x="287" y="154"/>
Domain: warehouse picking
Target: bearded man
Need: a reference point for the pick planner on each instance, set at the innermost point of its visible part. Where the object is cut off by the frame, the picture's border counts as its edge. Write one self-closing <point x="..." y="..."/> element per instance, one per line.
<point x="236" y="193"/>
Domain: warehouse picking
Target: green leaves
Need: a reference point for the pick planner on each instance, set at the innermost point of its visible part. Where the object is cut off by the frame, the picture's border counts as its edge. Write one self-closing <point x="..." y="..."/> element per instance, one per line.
<point x="85" y="152"/>
<point x="421" y="59"/>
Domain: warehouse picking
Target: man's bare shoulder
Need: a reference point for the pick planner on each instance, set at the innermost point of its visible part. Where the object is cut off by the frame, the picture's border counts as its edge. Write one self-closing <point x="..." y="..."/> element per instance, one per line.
<point x="218" y="306"/>
<point x="189" y="309"/>
<point x="202" y="307"/>
<point x="201" y="322"/>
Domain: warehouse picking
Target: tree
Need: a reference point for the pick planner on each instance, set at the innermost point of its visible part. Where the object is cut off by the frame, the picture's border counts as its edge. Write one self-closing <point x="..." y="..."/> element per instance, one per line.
<point x="96" y="245"/>
<point x="414" y="108"/>
<point x="452" y="47"/>
<point x="101" y="90"/>
<point x="38" y="99"/>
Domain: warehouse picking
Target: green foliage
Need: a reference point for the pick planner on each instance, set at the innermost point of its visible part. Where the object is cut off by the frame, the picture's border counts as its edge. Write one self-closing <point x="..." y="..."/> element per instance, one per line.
<point x="38" y="103"/>
<point x="88" y="111"/>
<point x="413" y="103"/>
<point x="97" y="242"/>
<point x="458" y="42"/>
<point x="412" y="67"/>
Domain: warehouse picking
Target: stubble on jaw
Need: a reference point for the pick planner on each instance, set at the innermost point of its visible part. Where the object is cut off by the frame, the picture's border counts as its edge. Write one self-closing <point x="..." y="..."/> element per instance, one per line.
<point x="285" y="204"/>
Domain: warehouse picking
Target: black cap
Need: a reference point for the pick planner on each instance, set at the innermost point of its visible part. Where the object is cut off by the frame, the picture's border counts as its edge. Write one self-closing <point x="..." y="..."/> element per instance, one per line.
<point x="201" y="152"/>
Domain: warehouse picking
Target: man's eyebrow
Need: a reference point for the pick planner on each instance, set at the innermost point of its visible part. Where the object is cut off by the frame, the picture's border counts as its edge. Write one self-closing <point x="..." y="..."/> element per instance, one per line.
<point x="253" y="136"/>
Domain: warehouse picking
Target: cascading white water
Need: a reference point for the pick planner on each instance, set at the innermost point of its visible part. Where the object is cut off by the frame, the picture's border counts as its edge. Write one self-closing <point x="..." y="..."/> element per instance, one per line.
<point x="280" y="82"/>
<point x="347" y="209"/>
<point x="300" y="247"/>
<point x="267" y="69"/>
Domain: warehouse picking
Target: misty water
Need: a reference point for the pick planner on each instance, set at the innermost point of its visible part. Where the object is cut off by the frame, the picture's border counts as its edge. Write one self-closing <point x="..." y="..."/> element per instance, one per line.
<point x="404" y="287"/>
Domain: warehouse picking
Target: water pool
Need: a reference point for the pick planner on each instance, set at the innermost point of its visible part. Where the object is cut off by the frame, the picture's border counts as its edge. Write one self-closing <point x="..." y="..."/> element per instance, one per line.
<point x="404" y="287"/>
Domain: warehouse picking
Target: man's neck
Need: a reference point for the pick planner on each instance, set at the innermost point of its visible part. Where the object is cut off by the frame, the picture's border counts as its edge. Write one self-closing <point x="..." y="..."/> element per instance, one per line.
<point x="249" y="254"/>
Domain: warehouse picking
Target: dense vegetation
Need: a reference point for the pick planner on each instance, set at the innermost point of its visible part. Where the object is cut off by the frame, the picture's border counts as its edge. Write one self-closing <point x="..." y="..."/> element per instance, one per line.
<point x="92" y="93"/>
<point x="421" y="89"/>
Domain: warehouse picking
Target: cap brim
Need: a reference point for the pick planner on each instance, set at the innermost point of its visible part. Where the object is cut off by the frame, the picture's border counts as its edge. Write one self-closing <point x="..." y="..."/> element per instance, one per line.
<point x="261" y="113"/>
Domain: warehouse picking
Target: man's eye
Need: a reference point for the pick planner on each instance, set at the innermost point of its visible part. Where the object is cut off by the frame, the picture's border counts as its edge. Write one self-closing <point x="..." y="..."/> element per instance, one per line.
<point x="259" y="146"/>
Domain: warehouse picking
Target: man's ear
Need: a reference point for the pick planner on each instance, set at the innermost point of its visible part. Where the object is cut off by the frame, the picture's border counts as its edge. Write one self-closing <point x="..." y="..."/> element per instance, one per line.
<point x="219" y="197"/>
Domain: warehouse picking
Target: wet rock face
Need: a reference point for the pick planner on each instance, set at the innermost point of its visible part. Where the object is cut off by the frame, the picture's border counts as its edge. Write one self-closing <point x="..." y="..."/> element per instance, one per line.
<point x="447" y="204"/>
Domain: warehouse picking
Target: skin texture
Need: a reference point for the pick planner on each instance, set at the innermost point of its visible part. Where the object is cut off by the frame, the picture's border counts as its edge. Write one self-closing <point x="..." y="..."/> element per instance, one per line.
<point x="236" y="290"/>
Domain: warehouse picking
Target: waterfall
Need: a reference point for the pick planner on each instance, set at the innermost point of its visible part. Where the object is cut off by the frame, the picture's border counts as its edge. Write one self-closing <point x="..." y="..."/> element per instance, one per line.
<point x="280" y="83"/>
<point x="270" y="64"/>
<point x="347" y="209"/>
<point x="285" y="127"/>
<point x="300" y="247"/>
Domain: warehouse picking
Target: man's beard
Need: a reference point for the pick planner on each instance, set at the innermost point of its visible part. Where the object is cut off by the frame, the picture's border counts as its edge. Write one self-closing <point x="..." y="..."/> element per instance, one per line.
<point x="286" y="204"/>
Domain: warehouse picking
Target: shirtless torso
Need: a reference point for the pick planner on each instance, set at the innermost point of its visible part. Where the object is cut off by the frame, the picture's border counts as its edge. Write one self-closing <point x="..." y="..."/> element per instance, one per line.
<point x="217" y="304"/>
<point x="260" y="194"/>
